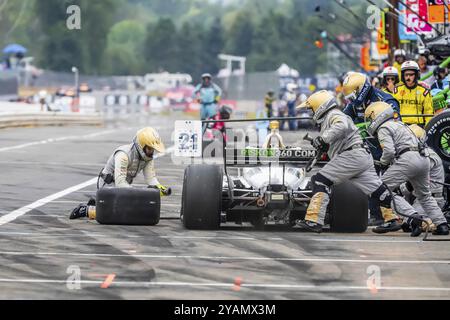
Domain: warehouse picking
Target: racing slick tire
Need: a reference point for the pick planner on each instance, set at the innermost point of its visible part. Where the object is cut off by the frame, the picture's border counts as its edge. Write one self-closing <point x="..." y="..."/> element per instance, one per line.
<point x="128" y="206"/>
<point x="349" y="209"/>
<point x="438" y="137"/>
<point x="202" y="197"/>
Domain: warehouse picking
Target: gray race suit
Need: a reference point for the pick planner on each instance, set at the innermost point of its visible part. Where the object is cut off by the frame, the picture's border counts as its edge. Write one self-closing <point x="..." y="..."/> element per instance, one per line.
<point x="125" y="164"/>
<point x="401" y="151"/>
<point x="349" y="161"/>
<point x="437" y="174"/>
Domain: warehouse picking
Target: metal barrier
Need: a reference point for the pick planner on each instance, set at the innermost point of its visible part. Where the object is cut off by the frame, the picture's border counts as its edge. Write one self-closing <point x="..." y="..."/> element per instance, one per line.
<point x="48" y="119"/>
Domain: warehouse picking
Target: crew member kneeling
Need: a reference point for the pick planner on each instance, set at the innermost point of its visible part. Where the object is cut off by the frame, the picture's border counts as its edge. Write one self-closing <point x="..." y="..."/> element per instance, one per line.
<point x="125" y="164"/>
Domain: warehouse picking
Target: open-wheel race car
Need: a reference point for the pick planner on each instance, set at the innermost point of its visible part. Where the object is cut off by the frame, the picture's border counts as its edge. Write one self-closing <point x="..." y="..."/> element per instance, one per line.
<point x="265" y="186"/>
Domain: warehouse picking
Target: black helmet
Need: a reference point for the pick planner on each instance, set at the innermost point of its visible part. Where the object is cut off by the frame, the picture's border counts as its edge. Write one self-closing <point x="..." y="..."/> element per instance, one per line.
<point x="225" y="112"/>
<point x="437" y="71"/>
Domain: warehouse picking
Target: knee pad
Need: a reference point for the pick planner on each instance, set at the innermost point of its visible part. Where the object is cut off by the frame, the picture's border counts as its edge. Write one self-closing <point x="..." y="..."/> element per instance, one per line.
<point x="321" y="184"/>
<point x="383" y="196"/>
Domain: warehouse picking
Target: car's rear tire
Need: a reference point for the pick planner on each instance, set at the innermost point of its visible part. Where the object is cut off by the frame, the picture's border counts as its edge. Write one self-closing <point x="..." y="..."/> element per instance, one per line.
<point x="349" y="209"/>
<point x="128" y="206"/>
<point x="438" y="137"/>
<point x="202" y="197"/>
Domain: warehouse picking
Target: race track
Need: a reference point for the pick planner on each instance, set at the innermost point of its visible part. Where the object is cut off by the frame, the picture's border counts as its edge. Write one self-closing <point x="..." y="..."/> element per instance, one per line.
<point x="46" y="172"/>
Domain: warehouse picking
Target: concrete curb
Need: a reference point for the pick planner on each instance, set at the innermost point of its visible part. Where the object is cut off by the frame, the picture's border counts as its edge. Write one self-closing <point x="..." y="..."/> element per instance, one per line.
<point x="48" y="119"/>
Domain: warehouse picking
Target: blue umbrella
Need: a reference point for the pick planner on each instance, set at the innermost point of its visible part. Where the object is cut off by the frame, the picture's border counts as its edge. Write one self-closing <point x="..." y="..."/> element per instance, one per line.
<point x="14" y="48"/>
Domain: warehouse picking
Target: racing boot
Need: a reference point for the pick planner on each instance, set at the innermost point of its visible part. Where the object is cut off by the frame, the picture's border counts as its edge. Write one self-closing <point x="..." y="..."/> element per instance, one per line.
<point x="310" y="226"/>
<point x="79" y="212"/>
<point x="84" y="210"/>
<point x="389" y="226"/>
<point x="447" y="216"/>
<point x="406" y="227"/>
<point x="416" y="223"/>
<point x="375" y="222"/>
<point x="441" y="230"/>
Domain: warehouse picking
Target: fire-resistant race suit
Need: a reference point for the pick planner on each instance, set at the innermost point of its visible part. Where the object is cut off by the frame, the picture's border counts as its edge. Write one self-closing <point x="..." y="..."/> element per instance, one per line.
<point x="406" y="160"/>
<point x="124" y="165"/>
<point x="349" y="161"/>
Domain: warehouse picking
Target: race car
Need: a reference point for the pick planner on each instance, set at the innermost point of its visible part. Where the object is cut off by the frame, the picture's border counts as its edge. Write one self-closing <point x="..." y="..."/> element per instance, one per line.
<point x="265" y="186"/>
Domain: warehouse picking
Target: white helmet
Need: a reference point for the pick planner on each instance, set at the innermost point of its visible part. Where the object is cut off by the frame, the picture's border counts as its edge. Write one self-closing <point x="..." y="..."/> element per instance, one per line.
<point x="291" y="87"/>
<point x="410" y="65"/>
<point x="390" y="71"/>
<point x="42" y="94"/>
<point x="399" y="53"/>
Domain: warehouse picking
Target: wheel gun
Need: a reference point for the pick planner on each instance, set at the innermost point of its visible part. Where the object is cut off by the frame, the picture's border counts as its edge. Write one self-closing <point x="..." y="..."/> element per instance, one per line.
<point x="312" y="162"/>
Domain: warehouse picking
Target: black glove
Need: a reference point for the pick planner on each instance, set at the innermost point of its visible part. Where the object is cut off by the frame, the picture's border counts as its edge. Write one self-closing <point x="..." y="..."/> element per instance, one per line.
<point x="319" y="144"/>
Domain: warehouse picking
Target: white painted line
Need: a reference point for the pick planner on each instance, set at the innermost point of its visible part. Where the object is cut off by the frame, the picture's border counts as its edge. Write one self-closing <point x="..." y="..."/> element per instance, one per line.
<point x="208" y="238"/>
<point x="52" y="164"/>
<point x="51" y="140"/>
<point x="229" y="285"/>
<point x="39" y="203"/>
<point x="368" y="240"/>
<point x="67" y="201"/>
<point x="153" y="256"/>
<point x="87" y="234"/>
<point x="47" y="215"/>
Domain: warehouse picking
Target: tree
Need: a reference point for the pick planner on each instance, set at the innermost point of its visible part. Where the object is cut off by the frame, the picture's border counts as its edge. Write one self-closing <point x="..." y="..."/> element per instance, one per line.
<point x="64" y="48"/>
<point x="240" y="35"/>
<point x="213" y="45"/>
<point x="160" y="49"/>
<point x="189" y="41"/>
<point x="124" y="52"/>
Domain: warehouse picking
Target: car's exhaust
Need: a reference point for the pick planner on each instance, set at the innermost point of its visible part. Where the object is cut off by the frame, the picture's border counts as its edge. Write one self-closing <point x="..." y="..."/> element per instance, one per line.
<point x="260" y="202"/>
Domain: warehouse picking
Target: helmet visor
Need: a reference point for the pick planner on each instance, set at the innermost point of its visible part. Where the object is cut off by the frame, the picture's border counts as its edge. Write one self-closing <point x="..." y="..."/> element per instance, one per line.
<point x="351" y="97"/>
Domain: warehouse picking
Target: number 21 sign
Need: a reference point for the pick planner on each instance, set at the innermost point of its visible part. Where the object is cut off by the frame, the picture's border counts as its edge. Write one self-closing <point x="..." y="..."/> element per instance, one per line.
<point x="188" y="138"/>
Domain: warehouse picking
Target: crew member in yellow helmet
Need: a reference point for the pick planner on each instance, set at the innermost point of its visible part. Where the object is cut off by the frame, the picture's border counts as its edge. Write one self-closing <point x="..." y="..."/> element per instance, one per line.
<point x="349" y="161"/>
<point x="127" y="162"/>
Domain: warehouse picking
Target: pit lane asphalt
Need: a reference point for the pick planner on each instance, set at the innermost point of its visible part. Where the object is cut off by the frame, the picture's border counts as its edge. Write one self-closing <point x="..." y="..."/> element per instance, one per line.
<point x="41" y="250"/>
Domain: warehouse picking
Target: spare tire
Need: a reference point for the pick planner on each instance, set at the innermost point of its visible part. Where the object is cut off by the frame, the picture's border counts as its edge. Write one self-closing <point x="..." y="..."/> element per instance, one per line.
<point x="202" y="197"/>
<point x="349" y="209"/>
<point x="128" y="206"/>
<point x="438" y="136"/>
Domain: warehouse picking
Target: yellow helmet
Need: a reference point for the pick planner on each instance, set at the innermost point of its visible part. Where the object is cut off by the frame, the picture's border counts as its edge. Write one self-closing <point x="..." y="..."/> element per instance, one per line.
<point x="356" y="86"/>
<point x="274" y="125"/>
<point x="320" y="102"/>
<point x="378" y="113"/>
<point x="418" y="132"/>
<point x="148" y="137"/>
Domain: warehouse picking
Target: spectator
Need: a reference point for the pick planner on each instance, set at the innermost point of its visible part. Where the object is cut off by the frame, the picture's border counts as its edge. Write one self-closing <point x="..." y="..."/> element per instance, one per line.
<point x="400" y="58"/>
<point x="269" y="99"/>
<point x="424" y="70"/>
<point x="440" y="82"/>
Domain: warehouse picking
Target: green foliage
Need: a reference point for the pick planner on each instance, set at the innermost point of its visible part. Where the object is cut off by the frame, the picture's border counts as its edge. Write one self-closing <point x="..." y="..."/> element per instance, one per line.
<point x="139" y="36"/>
<point x="125" y="48"/>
